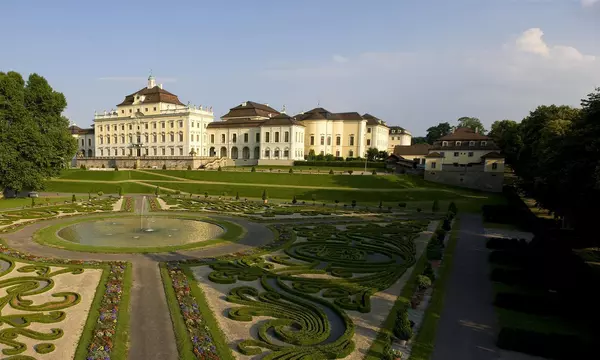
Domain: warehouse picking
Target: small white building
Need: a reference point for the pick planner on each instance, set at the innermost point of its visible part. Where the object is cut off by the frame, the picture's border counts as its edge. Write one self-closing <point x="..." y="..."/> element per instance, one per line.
<point x="398" y="136"/>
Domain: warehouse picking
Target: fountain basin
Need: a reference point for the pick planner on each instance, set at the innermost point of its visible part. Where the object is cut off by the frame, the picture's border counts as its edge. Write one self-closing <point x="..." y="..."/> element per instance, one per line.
<point x="125" y="232"/>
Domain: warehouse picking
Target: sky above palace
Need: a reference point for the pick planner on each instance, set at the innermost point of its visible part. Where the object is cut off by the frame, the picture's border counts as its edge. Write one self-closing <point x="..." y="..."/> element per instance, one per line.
<point x="412" y="63"/>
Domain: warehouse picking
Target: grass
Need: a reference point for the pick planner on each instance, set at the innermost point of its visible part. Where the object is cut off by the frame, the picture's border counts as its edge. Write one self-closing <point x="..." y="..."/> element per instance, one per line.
<point x="120" y="175"/>
<point x="122" y="346"/>
<point x="93" y="188"/>
<point x="302" y="169"/>
<point x="425" y="340"/>
<point x="182" y="339"/>
<point x="321" y="195"/>
<point x="341" y="181"/>
<point x="47" y="236"/>
<point x="20" y="202"/>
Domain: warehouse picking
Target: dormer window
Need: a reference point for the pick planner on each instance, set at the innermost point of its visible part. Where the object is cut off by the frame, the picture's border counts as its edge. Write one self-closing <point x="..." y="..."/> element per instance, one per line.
<point x="483" y="143"/>
<point x="444" y="143"/>
<point x="458" y="143"/>
<point x="471" y="143"/>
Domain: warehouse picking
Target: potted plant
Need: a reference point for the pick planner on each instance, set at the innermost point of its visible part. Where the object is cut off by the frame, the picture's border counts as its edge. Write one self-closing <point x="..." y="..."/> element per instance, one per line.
<point x="395" y="354"/>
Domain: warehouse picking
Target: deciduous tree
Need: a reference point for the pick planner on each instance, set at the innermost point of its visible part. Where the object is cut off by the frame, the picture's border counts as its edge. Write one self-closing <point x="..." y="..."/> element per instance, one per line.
<point x="472" y="123"/>
<point x="34" y="136"/>
<point x="436" y="132"/>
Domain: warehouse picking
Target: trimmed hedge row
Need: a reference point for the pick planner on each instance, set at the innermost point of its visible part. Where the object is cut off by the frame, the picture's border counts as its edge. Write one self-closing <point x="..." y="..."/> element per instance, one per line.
<point x="350" y="164"/>
<point x="552" y="346"/>
<point x="547" y="304"/>
<point x="506" y="244"/>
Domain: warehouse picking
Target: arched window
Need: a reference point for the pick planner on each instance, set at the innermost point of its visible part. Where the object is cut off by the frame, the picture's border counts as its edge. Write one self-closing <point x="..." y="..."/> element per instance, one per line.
<point x="471" y="143"/>
<point x="101" y="140"/>
<point x="444" y="143"/>
<point x="171" y="138"/>
<point x="234" y="152"/>
<point x="180" y="136"/>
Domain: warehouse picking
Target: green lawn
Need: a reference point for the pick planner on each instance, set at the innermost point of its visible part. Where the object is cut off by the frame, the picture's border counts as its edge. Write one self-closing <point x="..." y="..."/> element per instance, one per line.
<point x="107" y="188"/>
<point x="303" y="169"/>
<point x="321" y="195"/>
<point x="108" y="175"/>
<point x="342" y="181"/>
<point x="20" y="202"/>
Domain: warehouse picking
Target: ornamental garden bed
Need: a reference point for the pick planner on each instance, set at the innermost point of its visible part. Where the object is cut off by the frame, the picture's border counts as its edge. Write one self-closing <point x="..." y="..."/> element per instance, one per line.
<point x="63" y="309"/>
<point x="325" y="293"/>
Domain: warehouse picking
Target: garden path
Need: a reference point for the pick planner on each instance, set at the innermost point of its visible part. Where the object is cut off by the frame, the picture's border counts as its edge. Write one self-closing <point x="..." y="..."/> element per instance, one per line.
<point x="468" y="327"/>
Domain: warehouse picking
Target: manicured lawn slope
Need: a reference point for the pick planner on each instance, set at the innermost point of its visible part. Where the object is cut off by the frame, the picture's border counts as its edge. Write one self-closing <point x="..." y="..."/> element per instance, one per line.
<point x="107" y="188"/>
<point x="120" y="175"/>
<point x="20" y="202"/>
<point x="326" y="195"/>
<point x="346" y="181"/>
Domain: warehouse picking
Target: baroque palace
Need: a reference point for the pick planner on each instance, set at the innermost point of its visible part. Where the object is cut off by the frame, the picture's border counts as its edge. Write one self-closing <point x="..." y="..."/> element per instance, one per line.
<point x="152" y="128"/>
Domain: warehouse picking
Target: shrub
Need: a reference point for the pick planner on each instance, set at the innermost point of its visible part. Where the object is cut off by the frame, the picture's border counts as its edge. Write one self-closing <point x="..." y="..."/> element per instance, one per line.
<point x="423" y="282"/>
<point x="331" y="172"/>
<point x="73" y="198"/>
<point x="219" y="168"/>
<point x="206" y="194"/>
<point x="103" y="166"/>
<point x="291" y="171"/>
<point x="350" y="172"/>
<point x="189" y="167"/>
<point x="506" y="244"/>
<point x="100" y="193"/>
<point x="157" y="191"/>
<point x="336" y="202"/>
<point x="177" y="192"/>
<point x="265" y="196"/>
<point x="349" y="163"/>
<point x="253" y="169"/>
<point x="294" y="201"/>
<point x="419" y="209"/>
<point x="436" y="206"/>
<point x="237" y="195"/>
<point x="374" y="172"/>
<point x="380" y="204"/>
<point x="402" y="205"/>
<point x="270" y="169"/>
<point x="402" y="326"/>
<point x="33" y="202"/>
<point x="434" y="251"/>
<point x="428" y="271"/>
<point x="82" y="167"/>
<point x="116" y="168"/>
<point x="314" y="198"/>
<point x="446" y="225"/>
<point x="120" y="191"/>
<point x="164" y="167"/>
<point x="547" y="304"/>
<point x="135" y="165"/>
<point x="452" y="208"/>
<point x="353" y="203"/>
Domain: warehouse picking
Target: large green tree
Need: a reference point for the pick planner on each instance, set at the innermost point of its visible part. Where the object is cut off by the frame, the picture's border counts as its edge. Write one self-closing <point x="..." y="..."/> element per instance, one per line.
<point x="472" y="123"/>
<point x="419" y="140"/>
<point x="436" y="132"/>
<point x="35" y="142"/>
<point x="506" y="134"/>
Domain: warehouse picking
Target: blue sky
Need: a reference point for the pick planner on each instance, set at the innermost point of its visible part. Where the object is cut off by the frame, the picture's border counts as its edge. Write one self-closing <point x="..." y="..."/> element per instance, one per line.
<point x="411" y="63"/>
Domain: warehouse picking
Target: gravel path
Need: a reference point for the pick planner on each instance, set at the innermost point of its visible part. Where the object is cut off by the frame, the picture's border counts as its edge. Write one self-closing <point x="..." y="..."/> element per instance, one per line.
<point x="151" y="330"/>
<point x="468" y="325"/>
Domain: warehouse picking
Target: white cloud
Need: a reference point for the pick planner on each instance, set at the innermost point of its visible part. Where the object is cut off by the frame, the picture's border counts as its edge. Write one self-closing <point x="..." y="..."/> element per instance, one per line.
<point x="340" y="59"/>
<point x="588" y="3"/>
<point x="418" y="90"/>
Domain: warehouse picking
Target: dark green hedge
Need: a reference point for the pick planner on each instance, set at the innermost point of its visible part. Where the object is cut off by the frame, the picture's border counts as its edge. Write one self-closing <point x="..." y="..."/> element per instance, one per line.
<point x="547" y="304"/>
<point x="551" y="346"/>
<point x="349" y="164"/>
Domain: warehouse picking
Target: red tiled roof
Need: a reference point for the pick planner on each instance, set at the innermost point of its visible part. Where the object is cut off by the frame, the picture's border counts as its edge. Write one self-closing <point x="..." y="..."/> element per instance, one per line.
<point x="464" y="134"/>
<point x="416" y="149"/>
<point x="434" y="155"/>
<point x="250" y="108"/>
<point x="152" y="95"/>
<point x="492" y="155"/>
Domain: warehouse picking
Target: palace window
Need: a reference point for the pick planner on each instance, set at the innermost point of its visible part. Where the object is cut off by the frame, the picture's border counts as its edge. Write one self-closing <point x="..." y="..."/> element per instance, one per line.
<point x="122" y="152"/>
<point x="337" y="153"/>
<point x="329" y="140"/>
<point x="146" y="110"/>
<point x="257" y="137"/>
<point x="180" y="151"/>
<point x="234" y="138"/>
<point x="171" y="138"/>
<point x="162" y="137"/>
<point x="122" y="126"/>
<point x="471" y="143"/>
<point x="181" y="124"/>
<point x="154" y="151"/>
<point x="246" y="137"/>
<point x="101" y="152"/>
<point x="146" y="148"/>
<point x="146" y="137"/>
<point x="162" y="125"/>
<point x="368" y="142"/>
<point x="495" y="166"/>
<point x="351" y="140"/>
<point x="312" y="139"/>
<point x="433" y="165"/>
<point x="222" y="138"/>
<point x="286" y="153"/>
<point x="276" y="137"/>
<point x="89" y="142"/>
<point x="130" y="126"/>
<point x="456" y="154"/>
<point x="322" y="153"/>
<point x="286" y="136"/>
<point x="458" y="143"/>
<point x="172" y="151"/>
<point x="197" y="137"/>
<point x="322" y="140"/>
<point x="163" y="151"/>
<point x="267" y="153"/>
<point x="212" y="138"/>
<point x="267" y="136"/>
<point x="153" y="137"/>
<point x="350" y="153"/>
<point x="130" y="111"/>
<point x="146" y="126"/>
<point x="180" y="137"/>
<point x="444" y="143"/>
<point x="470" y="154"/>
<point x="483" y="143"/>
<point x="122" y="111"/>
<point x="192" y="138"/>
<point x="108" y="139"/>
<point x="368" y="130"/>
<point x="108" y="152"/>
<point x="276" y="153"/>
<point x="338" y="140"/>
<point x="155" y="108"/>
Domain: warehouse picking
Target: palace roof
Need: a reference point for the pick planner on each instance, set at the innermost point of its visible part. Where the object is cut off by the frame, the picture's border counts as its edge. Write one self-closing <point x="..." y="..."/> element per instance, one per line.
<point x="372" y="120"/>
<point x="464" y="133"/>
<point x="152" y="95"/>
<point x="251" y="108"/>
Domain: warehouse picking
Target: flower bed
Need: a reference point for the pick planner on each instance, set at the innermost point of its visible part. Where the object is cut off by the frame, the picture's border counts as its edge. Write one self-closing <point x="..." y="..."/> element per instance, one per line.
<point x="104" y="332"/>
<point x="128" y="204"/>
<point x="154" y="205"/>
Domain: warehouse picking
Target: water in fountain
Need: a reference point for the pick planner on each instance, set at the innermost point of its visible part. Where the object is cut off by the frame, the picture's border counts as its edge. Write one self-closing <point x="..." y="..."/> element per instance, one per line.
<point x="147" y="228"/>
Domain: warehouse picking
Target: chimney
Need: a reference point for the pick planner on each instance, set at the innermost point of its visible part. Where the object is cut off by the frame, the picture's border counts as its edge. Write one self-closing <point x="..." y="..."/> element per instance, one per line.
<point x="476" y="130"/>
<point x="160" y="86"/>
<point x="267" y="104"/>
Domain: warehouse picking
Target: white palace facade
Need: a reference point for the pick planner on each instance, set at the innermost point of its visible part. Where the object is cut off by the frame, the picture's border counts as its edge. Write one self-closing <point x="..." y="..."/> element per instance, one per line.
<point x="152" y="127"/>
